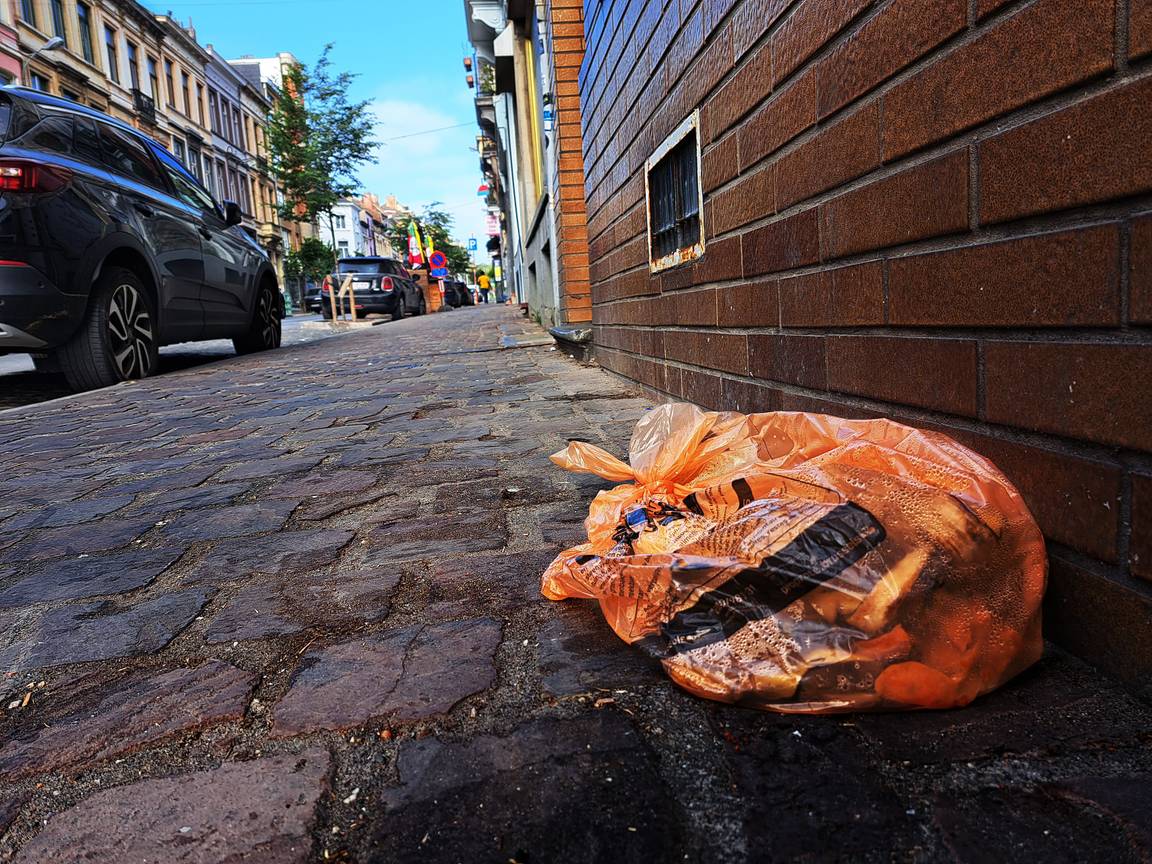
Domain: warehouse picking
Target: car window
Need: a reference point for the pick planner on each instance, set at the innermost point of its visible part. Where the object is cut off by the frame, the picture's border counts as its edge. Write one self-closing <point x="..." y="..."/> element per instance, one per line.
<point x="5" y="116"/>
<point x="187" y="189"/>
<point x="86" y="141"/>
<point x="53" y="134"/>
<point x="126" y="155"/>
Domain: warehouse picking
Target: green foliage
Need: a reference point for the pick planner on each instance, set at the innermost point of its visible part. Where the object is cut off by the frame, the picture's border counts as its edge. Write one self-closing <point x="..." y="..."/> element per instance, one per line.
<point x="317" y="139"/>
<point x="313" y="261"/>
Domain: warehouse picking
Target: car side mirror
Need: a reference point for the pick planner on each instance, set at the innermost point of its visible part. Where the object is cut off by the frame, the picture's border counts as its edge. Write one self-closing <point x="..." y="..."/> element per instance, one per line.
<point x="232" y="214"/>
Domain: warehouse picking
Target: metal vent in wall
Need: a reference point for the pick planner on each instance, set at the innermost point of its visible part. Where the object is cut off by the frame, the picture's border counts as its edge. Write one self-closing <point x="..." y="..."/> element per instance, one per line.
<point x="674" y="198"/>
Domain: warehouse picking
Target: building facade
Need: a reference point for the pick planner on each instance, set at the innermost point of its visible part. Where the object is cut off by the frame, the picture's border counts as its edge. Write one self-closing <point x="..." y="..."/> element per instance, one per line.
<point x="526" y="60"/>
<point x="356" y="227"/>
<point x="929" y="210"/>
<point x="9" y="44"/>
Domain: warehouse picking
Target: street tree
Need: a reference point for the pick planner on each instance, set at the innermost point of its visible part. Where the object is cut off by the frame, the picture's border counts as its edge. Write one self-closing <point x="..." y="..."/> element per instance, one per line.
<point x="317" y="139"/>
<point x="313" y="260"/>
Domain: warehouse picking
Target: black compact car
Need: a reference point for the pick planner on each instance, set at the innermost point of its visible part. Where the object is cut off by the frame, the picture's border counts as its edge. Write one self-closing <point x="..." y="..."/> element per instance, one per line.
<point x="110" y="248"/>
<point x="380" y="285"/>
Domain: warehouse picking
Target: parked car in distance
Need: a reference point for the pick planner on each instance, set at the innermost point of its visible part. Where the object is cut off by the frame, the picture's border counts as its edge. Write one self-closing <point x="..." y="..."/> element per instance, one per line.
<point x="110" y="248"/>
<point x="381" y="285"/>
<point x="456" y="294"/>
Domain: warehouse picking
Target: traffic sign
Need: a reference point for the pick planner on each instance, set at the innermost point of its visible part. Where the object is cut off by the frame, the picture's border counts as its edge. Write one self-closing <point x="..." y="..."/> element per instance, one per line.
<point x="438" y="264"/>
<point x="473" y="246"/>
<point x="482" y="190"/>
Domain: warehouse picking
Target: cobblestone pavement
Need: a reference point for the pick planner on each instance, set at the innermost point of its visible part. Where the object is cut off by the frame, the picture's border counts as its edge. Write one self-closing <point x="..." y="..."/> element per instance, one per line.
<point x="20" y="384"/>
<point x="285" y="609"/>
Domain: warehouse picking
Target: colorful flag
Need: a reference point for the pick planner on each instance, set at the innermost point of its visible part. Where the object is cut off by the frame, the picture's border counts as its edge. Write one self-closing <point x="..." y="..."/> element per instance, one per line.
<point x="415" y="251"/>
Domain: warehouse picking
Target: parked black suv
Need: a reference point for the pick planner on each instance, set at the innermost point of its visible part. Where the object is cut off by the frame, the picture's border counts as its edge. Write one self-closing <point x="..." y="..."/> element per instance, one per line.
<point x="381" y="285"/>
<point x="110" y="248"/>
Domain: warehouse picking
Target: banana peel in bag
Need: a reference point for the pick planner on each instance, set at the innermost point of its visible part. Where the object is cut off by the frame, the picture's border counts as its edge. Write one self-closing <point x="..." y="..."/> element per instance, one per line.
<point x="809" y="564"/>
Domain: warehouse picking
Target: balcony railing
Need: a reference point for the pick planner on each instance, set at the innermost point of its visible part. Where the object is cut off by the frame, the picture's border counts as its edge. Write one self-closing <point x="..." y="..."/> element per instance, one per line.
<point x="145" y="105"/>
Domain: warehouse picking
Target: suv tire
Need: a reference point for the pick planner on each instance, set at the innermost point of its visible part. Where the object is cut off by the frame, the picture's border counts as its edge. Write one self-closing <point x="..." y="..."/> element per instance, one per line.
<point x="117" y="341"/>
<point x="265" y="331"/>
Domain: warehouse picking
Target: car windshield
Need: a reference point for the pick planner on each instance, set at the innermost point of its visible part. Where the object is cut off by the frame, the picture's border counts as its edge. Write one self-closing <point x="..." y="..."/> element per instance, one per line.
<point x="365" y="266"/>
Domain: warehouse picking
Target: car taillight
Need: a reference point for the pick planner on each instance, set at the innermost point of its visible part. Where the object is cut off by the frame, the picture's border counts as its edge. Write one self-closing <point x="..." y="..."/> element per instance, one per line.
<point x="386" y="283"/>
<point x="13" y="264"/>
<point x="22" y="176"/>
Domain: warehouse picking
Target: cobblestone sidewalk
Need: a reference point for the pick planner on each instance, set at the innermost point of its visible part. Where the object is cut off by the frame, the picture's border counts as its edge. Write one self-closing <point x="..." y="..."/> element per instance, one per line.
<point x="286" y="609"/>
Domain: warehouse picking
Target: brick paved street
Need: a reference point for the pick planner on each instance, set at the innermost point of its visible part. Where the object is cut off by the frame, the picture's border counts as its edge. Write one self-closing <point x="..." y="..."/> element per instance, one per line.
<point x="286" y="607"/>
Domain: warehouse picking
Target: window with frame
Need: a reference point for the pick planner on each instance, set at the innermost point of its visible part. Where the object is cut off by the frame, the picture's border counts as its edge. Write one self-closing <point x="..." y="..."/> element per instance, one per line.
<point x="214" y="110"/>
<point x="675" y="229"/>
<point x="113" y="54"/>
<point x="200" y="104"/>
<point x="84" y="15"/>
<point x="57" y="7"/>
<point x="185" y="93"/>
<point x="338" y="222"/>
<point x="170" y="75"/>
<point x="28" y="12"/>
<point x="38" y="82"/>
<point x="153" y="81"/>
<point x="133" y="64"/>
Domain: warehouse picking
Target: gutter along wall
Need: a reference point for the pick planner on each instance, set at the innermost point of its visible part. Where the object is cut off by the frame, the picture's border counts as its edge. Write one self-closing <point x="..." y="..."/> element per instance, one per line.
<point x="938" y="211"/>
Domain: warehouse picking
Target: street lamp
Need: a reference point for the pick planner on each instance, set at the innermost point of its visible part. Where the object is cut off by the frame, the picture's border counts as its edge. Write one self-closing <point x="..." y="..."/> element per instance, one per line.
<point x="51" y="45"/>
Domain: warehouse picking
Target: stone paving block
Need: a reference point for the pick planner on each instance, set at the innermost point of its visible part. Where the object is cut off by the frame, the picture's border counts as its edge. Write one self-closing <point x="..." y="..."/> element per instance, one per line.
<point x="500" y="491"/>
<point x="1060" y="705"/>
<point x="372" y="455"/>
<point x="258" y="811"/>
<point x="502" y="582"/>
<point x="1123" y="799"/>
<point x="408" y="674"/>
<point x="435" y="537"/>
<point x="133" y="712"/>
<point x="334" y="482"/>
<point x="579" y="653"/>
<point x="72" y="513"/>
<point x="269" y="467"/>
<point x="184" y="479"/>
<point x="287" y="551"/>
<point x="236" y="521"/>
<point x="75" y="578"/>
<point x="95" y="631"/>
<point x="98" y="536"/>
<point x="584" y="790"/>
<point x="282" y="607"/>
<point x="388" y="506"/>
<point x="809" y="790"/>
<point x="9" y="808"/>
<point x="1036" y="825"/>
<point x="212" y="495"/>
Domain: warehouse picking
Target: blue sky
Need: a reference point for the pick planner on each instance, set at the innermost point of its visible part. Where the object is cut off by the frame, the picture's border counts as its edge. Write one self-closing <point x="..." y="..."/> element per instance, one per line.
<point x="409" y="58"/>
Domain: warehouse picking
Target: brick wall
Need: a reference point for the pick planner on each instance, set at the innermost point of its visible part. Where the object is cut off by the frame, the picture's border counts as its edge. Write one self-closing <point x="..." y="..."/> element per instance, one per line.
<point x="566" y="48"/>
<point x="934" y="210"/>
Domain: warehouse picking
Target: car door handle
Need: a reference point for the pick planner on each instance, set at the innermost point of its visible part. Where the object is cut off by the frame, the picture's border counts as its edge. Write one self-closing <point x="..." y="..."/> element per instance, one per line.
<point x="144" y="209"/>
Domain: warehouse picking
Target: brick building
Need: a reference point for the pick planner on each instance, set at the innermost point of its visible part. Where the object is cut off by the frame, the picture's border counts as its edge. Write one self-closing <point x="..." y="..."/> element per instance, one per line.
<point x="527" y="106"/>
<point x="933" y="210"/>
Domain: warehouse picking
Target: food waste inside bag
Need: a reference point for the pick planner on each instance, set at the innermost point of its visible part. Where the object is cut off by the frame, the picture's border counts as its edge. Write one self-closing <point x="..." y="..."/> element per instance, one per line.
<point x="809" y="564"/>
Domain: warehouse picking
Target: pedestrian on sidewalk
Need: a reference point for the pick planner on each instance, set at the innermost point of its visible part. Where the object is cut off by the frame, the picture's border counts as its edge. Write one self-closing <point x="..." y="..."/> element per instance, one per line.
<point x="485" y="286"/>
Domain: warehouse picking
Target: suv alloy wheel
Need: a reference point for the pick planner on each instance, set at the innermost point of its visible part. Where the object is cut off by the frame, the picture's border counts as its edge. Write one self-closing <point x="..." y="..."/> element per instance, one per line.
<point x="265" y="332"/>
<point x="117" y="341"/>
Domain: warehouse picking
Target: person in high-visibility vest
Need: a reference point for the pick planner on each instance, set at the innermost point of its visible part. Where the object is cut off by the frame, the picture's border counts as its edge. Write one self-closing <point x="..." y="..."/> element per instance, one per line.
<point x="485" y="286"/>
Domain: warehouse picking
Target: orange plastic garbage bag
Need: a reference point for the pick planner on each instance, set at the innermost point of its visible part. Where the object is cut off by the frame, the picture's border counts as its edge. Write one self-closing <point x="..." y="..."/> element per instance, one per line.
<point x="809" y="564"/>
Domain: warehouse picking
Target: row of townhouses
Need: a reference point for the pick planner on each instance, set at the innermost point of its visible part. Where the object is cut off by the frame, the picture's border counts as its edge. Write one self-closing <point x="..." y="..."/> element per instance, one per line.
<point x="937" y="211"/>
<point x="149" y="70"/>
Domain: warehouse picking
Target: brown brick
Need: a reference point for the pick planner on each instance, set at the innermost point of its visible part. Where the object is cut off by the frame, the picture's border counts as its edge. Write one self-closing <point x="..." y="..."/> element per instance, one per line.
<point x="788" y="113"/>
<point x="724" y="351"/>
<point x="685" y="46"/>
<point x="1140" y="271"/>
<point x="720" y="163"/>
<point x="1045" y="47"/>
<point x="808" y="29"/>
<point x="1096" y="392"/>
<point x="929" y="373"/>
<point x="844" y="297"/>
<point x="752" y="20"/>
<point x="712" y="64"/>
<point x="692" y="308"/>
<point x="750" y="198"/>
<point x="721" y="261"/>
<point x="1139" y="28"/>
<point x="747" y="397"/>
<point x="902" y="32"/>
<point x="1063" y="279"/>
<point x="700" y="388"/>
<point x="1099" y="619"/>
<point x="751" y="83"/>
<point x="838" y="153"/>
<point x="753" y="304"/>
<point x="920" y="202"/>
<point x="1075" y="501"/>
<point x="782" y="245"/>
<point x="789" y="358"/>
<point x="984" y="8"/>
<point x="1093" y="151"/>
<point x="1140" y="547"/>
